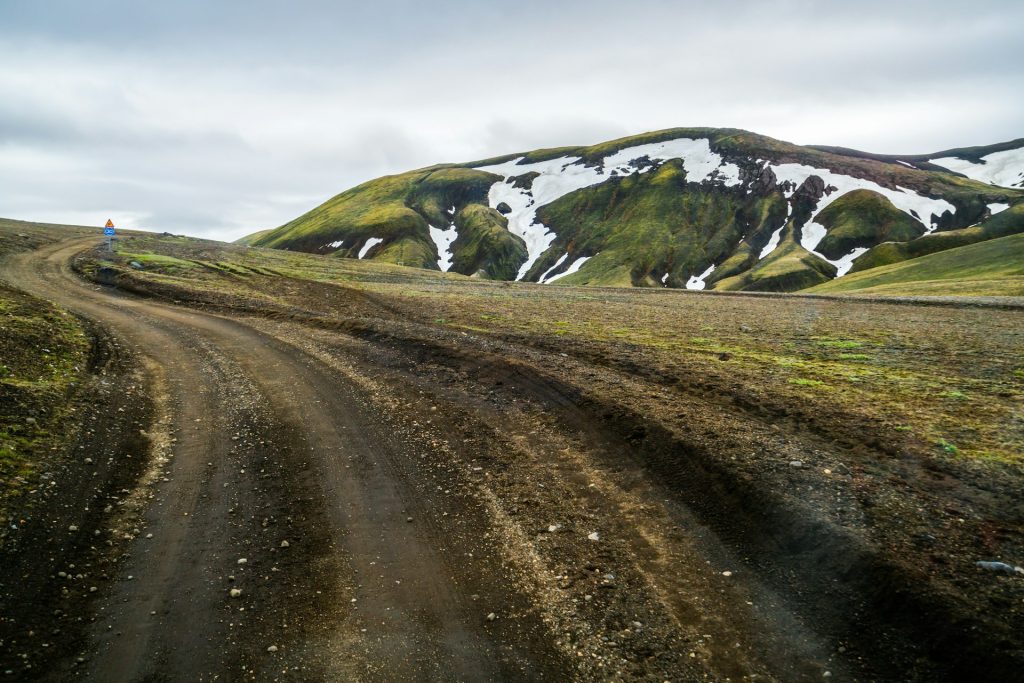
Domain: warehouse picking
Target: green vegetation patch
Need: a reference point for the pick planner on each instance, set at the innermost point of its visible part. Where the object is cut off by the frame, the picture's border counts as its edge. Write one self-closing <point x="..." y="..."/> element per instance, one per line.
<point x="43" y="353"/>
<point x="991" y="268"/>
<point x="863" y="218"/>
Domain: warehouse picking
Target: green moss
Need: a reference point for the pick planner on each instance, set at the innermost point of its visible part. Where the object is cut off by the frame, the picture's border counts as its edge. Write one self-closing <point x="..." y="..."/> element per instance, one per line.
<point x="993" y="267"/>
<point x="158" y="262"/>
<point x="802" y="382"/>
<point x="650" y="224"/>
<point x="1004" y="223"/>
<point x="863" y="218"/>
<point x="44" y="351"/>
<point x="788" y="268"/>
<point x="484" y="245"/>
<point x="838" y="343"/>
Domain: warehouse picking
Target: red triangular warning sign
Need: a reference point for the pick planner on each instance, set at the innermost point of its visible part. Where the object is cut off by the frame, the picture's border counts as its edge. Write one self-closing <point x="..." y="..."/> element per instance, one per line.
<point x="109" y="224"/>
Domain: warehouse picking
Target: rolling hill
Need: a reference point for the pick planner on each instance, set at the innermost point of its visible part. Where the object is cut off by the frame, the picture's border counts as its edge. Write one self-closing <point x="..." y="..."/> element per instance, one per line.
<point x="699" y="208"/>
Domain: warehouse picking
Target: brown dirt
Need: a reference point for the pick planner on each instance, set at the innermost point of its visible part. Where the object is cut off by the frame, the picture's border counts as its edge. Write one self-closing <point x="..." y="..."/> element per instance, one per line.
<point x="332" y="417"/>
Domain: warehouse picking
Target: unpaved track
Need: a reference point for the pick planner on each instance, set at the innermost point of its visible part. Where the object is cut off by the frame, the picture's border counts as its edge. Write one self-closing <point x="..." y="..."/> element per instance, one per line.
<point x="266" y="445"/>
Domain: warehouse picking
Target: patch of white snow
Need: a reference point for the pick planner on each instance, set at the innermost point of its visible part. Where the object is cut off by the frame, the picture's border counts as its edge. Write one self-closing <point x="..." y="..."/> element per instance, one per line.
<point x="576" y="265"/>
<point x="1005" y="168"/>
<point x="559" y="262"/>
<point x="443" y="240"/>
<point x="697" y="281"/>
<point x="906" y="164"/>
<point x="918" y="206"/>
<point x="996" y="208"/>
<point x="773" y="242"/>
<point x="333" y="245"/>
<point x="370" y="244"/>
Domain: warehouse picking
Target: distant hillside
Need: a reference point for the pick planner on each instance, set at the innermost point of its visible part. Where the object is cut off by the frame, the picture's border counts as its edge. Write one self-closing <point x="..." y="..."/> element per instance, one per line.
<point x="991" y="268"/>
<point x="689" y="207"/>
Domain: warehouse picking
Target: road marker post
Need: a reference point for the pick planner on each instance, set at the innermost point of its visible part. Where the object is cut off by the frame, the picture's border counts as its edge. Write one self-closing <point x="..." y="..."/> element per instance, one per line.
<point x="108" y="230"/>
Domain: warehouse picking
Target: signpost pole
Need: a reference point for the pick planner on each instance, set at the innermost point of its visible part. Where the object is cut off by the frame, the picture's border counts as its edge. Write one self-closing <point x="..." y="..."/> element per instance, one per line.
<point x="108" y="230"/>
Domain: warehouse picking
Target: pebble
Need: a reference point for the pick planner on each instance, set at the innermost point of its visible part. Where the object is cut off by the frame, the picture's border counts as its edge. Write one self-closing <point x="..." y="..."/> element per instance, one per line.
<point x="593" y="536"/>
<point x="795" y="463"/>
<point x="1000" y="567"/>
<point x="553" y="528"/>
<point x="727" y="574"/>
<point x="242" y="560"/>
<point x="492" y="616"/>
<point x="284" y="544"/>
<point x="235" y="592"/>
<point x="272" y="648"/>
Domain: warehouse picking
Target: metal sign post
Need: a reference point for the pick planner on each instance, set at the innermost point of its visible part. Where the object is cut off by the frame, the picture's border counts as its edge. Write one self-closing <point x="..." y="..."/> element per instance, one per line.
<point x="109" y="232"/>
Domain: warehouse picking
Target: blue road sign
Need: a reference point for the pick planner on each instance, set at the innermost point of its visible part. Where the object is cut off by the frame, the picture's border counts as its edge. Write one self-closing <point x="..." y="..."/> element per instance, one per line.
<point x="108" y="231"/>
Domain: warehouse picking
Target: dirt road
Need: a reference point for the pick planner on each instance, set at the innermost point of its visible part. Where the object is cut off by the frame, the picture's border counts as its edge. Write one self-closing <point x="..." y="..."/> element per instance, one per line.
<point x="279" y="482"/>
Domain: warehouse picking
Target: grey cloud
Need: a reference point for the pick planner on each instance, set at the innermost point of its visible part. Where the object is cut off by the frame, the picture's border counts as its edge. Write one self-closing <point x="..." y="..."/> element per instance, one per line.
<point x="223" y="118"/>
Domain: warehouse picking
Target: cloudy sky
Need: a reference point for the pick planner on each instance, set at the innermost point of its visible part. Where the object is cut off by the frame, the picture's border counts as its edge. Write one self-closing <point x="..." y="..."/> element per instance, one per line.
<point x="221" y="118"/>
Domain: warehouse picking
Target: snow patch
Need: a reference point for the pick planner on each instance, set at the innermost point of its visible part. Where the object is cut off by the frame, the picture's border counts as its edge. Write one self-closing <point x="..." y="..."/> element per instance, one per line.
<point x="906" y="200"/>
<point x="844" y="264"/>
<point x="664" y="279"/>
<point x="559" y="177"/>
<point x="773" y="242"/>
<point x="333" y="245"/>
<point x="370" y="244"/>
<point x="813" y="233"/>
<point x="906" y="164"/>
<point x="443" y="240"/>
<point x="996" y="208"/>
<point x="697" y="281"/>
<point x="559" y="262"/>
<point x="576" y="265"/>
<point x="1005" y="169"/>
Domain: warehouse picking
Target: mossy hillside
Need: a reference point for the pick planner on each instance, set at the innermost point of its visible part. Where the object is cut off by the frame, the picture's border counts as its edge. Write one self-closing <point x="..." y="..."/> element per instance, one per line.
<point x="397" y="209"/>
<point x="863" y="218"/>
<point x="43" y="354"/>
<point x="991" y="268"/>
<point x="484" y="246"/>
<point x="1007" y="222"/>
<point x="788" y="268"/>
<point x="652" y="223"/>
<point x="254" y="237"/>
<point x="974" y="154"/>
<point x="434" y="196"/>
<point x="744" y="148"/>
<point x="767" y="215"/>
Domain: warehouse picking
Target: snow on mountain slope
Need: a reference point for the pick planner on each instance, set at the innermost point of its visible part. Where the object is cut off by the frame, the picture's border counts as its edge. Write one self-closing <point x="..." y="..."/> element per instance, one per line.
<point x="370" y="244"/>
<point x="443" y="239"/>
<point x="697" y="281"/>
<point x="576" y="265"/>
<point x="923" y="209"/>
<point x="1005" y="169"/>
<point x="559" y="177"/>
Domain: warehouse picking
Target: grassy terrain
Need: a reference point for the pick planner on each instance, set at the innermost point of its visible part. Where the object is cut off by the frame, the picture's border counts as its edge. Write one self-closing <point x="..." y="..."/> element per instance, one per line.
<point x="649" y="227"/>
<point x="831" y="362"/>
<point x="1008" y="222"/>
<point x="43" y="354"/>
<point x="863" y="218"/>
<point x="991" y="268"/>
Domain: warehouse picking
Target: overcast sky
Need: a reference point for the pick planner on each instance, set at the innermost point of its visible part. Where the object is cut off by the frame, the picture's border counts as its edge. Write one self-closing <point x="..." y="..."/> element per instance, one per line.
<point x="221" y="118"/>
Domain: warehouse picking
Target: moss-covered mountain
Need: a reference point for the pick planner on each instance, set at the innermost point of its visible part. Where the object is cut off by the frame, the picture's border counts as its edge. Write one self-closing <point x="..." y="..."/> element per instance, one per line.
<point x="686" y="207"/>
